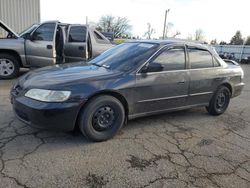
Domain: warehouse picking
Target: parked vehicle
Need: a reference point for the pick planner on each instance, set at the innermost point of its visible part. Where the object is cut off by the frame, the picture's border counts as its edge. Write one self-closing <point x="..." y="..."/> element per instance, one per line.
<point x="47" y="44"/>
<point x="229" y="61"/>
<point x="131" y="80"/>
<point x="246" y="60"/>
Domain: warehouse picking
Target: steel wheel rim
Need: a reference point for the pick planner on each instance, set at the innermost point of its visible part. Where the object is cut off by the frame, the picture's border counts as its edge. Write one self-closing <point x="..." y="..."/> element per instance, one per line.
<point x="103" y="118"/>
<point x="6" y="67"/>
<point x="221" y="100"/>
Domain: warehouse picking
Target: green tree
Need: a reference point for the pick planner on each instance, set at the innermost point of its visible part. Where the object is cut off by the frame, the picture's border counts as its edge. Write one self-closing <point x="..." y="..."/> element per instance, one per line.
<point x="223" y="42"/>
<point x="237" y="39"/>
<point x="247" y="41"/>
<point x="213" y="42"/>
<point x="118" y="25"/>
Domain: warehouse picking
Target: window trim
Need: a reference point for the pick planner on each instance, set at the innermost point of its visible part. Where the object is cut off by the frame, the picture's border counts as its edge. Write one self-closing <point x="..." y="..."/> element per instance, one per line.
<point x="158" y="52"/>
<point x="104" y="40"/>
<point x="96" y="36"/>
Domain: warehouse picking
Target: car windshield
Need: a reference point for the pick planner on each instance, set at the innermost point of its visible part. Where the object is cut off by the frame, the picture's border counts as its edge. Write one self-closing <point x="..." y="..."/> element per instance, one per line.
<point x="28" y="30"/>
<point x="125" y="56"/>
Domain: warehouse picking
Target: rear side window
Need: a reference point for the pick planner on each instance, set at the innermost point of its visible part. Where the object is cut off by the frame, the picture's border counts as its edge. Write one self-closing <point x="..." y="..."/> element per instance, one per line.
<point x="77" y="34"/>
<point x="216" y="63"/>
<point x="45" y="32"/>
<point x="199" y="58"/>
<point x="172" y="59"/>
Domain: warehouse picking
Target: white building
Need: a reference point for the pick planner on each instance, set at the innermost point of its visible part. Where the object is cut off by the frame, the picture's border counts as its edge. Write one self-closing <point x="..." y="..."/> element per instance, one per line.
<point x="19" y="14"/>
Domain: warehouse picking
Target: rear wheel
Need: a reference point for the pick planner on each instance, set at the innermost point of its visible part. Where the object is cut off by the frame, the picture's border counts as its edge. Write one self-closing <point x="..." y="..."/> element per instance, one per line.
<point x="9" y="66"/>
<point x="219" y="101"/>
<point x="101" y="118"/>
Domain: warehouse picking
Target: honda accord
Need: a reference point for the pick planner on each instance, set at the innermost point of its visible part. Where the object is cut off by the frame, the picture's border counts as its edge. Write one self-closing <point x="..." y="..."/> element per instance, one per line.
<point x="131" y="80"/>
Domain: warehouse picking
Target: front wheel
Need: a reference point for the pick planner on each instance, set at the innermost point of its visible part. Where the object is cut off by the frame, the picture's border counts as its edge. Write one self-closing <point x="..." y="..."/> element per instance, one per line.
<point x="219" y="101"/>
<point x="9" y="66"/>
<point x="101" y="118"/>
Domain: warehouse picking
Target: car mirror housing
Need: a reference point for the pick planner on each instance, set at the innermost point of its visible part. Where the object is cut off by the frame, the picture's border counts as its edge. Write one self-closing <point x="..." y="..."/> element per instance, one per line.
<point x="152" y="67"/>
<point x="27" y="36"/>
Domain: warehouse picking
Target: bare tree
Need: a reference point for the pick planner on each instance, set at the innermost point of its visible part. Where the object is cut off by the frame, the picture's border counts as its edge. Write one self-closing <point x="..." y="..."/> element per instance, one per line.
<point x="199" y="35"/>
<point x="149" y="31"/>
<point x="176" y="34"/>
<point x="170" y="31"/>
<point x="118" y="25"/>
<point x="190" y="37"/>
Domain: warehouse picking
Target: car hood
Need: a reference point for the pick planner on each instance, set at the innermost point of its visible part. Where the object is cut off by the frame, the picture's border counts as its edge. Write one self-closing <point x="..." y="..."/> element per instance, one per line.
<point x="6" y="28"/>
<point x="62" y="75"/>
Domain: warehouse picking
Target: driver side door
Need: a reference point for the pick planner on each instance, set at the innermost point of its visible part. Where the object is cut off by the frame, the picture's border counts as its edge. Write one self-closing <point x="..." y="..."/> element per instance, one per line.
<point x="165" y="89"/>
<point x="40" y="48"/>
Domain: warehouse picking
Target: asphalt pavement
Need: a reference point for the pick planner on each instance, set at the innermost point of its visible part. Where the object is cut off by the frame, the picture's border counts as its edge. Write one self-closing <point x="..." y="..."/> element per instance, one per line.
<point x="181" y="149"/>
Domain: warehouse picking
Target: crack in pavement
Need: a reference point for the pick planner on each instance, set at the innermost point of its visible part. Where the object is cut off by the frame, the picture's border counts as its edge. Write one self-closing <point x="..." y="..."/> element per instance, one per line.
<point x="182" y="149"/>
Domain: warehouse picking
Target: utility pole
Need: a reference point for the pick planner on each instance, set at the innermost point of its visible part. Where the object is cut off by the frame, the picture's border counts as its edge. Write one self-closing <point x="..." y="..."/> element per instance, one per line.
<point x="165" y="20"/>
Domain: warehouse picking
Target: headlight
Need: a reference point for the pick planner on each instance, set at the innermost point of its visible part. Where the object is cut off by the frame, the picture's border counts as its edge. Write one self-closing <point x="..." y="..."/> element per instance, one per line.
<point x="48" y="95"/>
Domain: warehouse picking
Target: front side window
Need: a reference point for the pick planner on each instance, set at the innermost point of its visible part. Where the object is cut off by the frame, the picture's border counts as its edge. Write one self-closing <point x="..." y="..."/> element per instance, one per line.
<point x="77" y="34"/>
<point x="199" y="58"/>
<point x="172" y="59"/>
<point x="45" y="32"/>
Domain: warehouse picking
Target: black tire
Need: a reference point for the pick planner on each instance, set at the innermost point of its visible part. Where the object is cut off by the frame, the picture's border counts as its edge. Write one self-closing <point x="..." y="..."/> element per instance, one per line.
<point x="13" y="68"/>
<point x="101" y="118"/>
<point x="220" y="101"/>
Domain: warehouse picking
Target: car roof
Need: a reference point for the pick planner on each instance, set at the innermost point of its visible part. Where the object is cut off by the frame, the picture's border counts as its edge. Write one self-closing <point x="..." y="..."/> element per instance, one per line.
<point x="173" y="41"/>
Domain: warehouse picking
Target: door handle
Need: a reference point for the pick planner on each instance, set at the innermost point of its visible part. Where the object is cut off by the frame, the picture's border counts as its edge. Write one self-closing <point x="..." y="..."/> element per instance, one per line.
<point x="81" y="48"/>
<point x="181" y="82"/>
<point x="49" y="47"/>
<point x="218" y="79"/>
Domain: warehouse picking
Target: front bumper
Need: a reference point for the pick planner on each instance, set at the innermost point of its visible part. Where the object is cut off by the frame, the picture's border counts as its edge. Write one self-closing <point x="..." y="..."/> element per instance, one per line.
<point x="58" y="116"/>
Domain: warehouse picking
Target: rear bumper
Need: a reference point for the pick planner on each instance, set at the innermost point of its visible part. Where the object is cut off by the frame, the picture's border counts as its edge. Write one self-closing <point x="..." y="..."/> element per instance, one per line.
<point x="57" y="116"/>
<point x="237" y="89"/>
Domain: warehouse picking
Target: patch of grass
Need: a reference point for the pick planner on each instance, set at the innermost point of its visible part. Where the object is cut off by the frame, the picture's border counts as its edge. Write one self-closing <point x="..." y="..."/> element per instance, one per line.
<point x="119" y="41"/>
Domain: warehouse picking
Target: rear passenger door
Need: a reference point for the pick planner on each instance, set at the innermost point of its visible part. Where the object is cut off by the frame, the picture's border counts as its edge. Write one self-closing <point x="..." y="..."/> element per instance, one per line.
<point x="76" y="48"/>
<point x="203" y="75"/>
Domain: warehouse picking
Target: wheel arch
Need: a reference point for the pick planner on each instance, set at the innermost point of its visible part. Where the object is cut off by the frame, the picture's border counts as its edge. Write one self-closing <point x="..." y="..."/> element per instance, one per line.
<point x="113" y="93"/>
<point x="229" y="86"/>
<point x="13" y="53"/>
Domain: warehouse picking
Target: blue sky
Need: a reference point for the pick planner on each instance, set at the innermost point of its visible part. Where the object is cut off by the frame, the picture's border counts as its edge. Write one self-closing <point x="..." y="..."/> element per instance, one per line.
<point x="217" y="18"/>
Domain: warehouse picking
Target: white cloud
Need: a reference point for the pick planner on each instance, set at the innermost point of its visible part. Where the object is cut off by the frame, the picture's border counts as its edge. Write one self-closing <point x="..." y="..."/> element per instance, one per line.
<point x="217" y="18"/>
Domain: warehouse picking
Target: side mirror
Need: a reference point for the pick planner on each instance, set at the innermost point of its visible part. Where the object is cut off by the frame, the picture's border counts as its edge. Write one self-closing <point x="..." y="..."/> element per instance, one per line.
<point x="152" y="67"/>
<point x="27" y="36"/>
